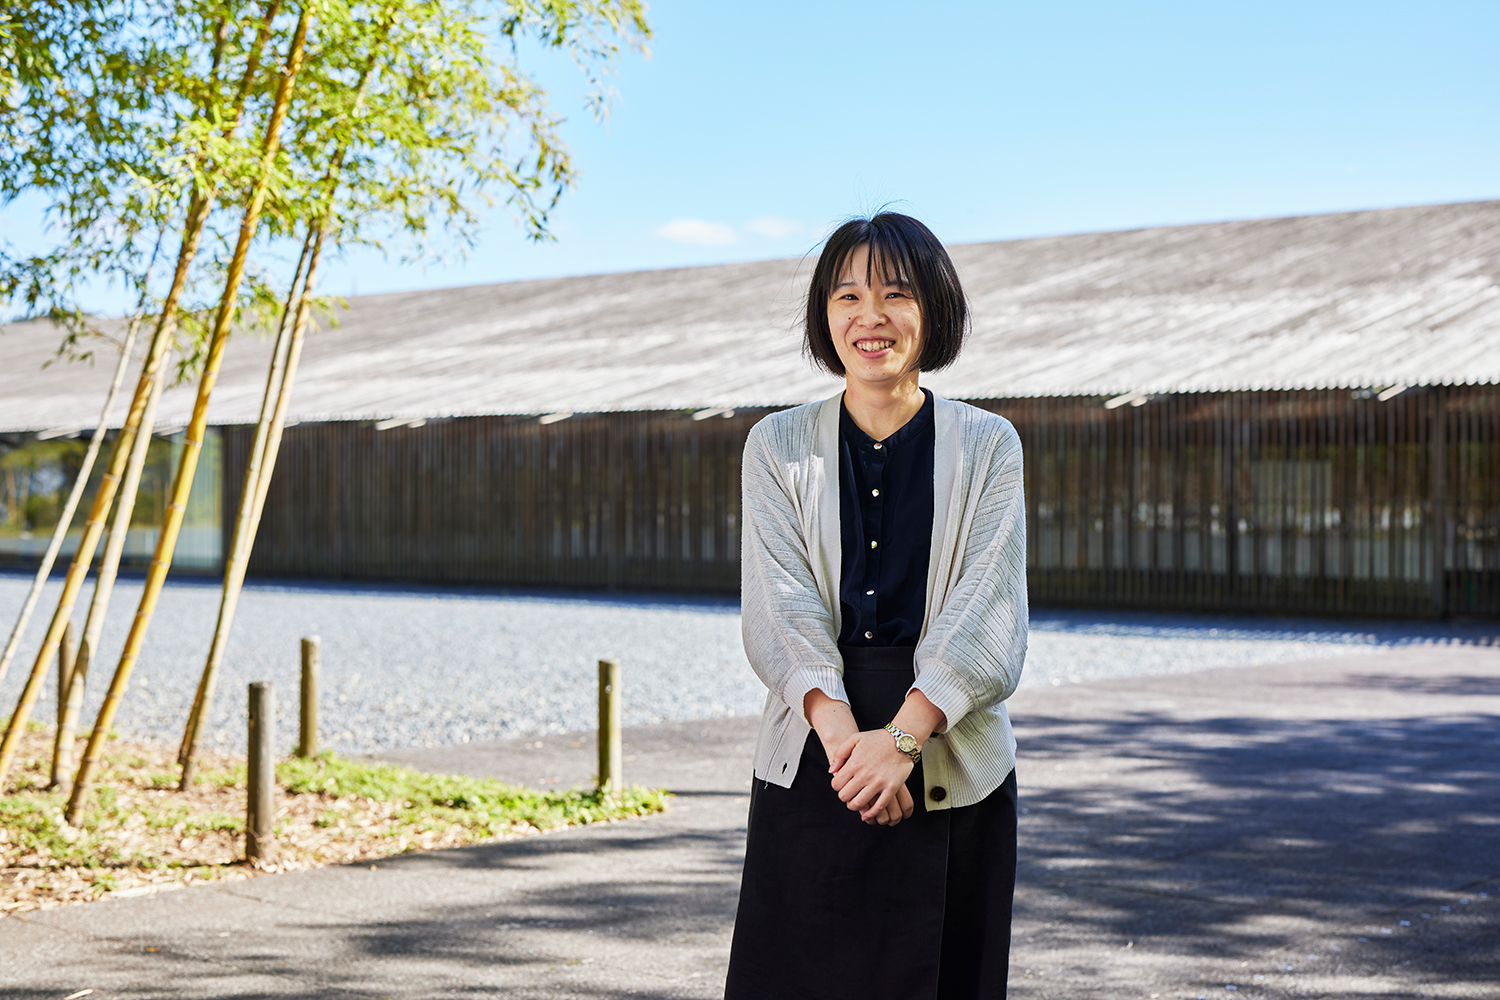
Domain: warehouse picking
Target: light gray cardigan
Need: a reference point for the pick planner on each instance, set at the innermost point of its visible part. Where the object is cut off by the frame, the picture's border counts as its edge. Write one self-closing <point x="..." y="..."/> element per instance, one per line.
<point x="973" y="640"/>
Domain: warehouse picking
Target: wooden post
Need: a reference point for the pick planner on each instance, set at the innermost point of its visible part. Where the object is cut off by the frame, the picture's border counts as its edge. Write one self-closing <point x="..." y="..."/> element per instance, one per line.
<point x="260" y="797"/>
<point x="610" y="746"/>
<point x="312" y="661"/>
<point x="66" y="657"/>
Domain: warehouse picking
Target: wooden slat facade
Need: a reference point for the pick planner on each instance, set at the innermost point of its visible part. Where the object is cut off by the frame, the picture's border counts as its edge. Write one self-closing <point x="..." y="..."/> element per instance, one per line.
<point x="1305" y="502"/>
<point x="618" y="500"/>
<point x="1319" y="502"/>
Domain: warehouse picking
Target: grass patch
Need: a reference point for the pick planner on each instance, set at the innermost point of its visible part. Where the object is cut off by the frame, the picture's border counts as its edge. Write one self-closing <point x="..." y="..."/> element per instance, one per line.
<point x="139" y="834"/>
<point x="486" y="807"/>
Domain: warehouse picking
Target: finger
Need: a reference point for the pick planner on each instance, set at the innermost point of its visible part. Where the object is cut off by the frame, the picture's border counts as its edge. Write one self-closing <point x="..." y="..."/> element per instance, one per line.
<point x="861" y="797"/>
<point x="849" y="782"/>
<point x="841" y="753"/>
<point x="904" y="802"/>
<point x="828" y="751"/>
<point x="841" y="756"/>
<point x="876" y="807"/>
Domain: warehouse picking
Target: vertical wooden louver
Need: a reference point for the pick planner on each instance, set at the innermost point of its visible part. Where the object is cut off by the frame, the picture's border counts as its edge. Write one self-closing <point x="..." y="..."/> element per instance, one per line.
<point x="1309" y="501"/>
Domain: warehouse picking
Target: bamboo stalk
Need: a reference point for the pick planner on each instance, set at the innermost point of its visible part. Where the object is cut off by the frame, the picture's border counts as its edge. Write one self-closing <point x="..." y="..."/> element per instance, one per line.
<point x="252" y="466"/>
<point x="193" y="443"/>
<point x="261" y="462"/>
<point x="161" y="342"/>
<point x="93" y="528"/>
<point x="239" y="550"/>
<point x="67" y="658"/>
<point x="288" y="379"/>
<point x="104" y="582"/>
<point x="255" y="493"/>
<point x="65" y="518"/>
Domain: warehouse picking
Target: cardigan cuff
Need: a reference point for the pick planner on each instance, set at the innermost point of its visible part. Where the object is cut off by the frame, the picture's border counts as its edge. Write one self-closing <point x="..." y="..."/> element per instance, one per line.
<point x="947" y="693"/>
<point x="804" y="679"/>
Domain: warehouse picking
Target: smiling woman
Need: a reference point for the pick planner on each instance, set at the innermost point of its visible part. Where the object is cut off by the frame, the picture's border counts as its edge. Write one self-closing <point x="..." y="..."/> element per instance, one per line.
<point x="883" y="595"/>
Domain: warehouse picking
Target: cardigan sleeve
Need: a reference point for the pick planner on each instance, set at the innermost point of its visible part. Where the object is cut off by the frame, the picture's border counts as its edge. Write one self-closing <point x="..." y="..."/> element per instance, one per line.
<point x="789" y="635"/>
<point x="978" y="641"/>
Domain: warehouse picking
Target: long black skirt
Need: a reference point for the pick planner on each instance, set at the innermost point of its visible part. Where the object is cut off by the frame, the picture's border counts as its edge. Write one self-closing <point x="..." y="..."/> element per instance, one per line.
<point x="832" y="907"/>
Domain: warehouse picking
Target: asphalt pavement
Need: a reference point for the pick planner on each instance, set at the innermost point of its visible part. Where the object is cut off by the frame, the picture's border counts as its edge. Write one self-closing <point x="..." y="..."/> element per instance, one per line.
<point x="1324" y="828"/>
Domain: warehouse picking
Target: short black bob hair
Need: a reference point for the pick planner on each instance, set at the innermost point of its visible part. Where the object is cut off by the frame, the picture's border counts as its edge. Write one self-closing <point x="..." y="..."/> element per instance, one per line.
<point x="907" y="253"/>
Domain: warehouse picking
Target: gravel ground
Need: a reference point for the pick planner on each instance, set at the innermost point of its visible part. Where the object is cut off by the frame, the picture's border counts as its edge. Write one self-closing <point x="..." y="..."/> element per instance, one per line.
<point x="413" y="666"/>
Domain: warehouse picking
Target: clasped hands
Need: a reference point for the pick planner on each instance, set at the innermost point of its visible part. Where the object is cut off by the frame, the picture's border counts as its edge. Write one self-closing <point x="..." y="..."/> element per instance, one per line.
<point x="869" y="773"/>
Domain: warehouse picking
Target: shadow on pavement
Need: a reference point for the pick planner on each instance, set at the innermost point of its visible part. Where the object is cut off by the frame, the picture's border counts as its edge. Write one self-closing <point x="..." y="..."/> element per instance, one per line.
<point x="1456" y="685"/>
<point x="1239" y="837"/>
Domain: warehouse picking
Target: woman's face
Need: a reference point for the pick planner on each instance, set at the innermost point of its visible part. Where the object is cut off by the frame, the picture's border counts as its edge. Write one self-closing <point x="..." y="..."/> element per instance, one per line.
<point x="876" y="327"/>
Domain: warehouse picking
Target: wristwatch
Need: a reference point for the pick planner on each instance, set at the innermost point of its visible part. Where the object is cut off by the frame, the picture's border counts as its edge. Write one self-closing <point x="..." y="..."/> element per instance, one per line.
<point x="905" y="742"/>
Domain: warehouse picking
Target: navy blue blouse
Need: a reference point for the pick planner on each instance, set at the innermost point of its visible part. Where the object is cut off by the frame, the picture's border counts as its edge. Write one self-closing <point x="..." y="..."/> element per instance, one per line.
<point x="885" y="516"/>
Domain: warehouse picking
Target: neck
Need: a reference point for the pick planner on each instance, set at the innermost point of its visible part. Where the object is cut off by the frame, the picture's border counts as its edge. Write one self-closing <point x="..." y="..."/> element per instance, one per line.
<point x="882" y="410"/>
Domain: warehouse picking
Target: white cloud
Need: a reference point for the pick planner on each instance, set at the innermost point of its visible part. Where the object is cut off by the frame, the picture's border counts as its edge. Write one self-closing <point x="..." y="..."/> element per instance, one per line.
<point x="699" y="232"/>
<point x="774" y="227"/>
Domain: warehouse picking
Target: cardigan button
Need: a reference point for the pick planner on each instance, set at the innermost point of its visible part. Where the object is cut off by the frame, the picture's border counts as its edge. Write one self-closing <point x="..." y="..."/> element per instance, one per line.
<point x="938" y="793"/>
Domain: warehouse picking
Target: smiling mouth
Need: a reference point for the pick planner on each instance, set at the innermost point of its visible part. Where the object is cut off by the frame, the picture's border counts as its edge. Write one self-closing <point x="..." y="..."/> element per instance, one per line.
<point x="874" y="346"/>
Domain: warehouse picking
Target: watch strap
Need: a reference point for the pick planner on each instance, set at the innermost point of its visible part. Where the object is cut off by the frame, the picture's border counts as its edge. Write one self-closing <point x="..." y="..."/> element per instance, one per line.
<point x="898" y="735"/>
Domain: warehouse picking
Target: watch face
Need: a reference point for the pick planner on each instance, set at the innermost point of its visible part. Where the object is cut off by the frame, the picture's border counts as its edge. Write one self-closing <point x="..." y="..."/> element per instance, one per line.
<point x="906" y="744"/>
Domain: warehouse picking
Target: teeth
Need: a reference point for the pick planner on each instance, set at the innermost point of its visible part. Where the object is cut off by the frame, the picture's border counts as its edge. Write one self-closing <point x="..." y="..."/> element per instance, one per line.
<point x="874" y="345"/>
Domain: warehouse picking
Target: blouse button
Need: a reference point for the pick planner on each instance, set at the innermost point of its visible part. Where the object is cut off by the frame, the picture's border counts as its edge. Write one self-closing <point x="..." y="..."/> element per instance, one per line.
<point x="874" y="493"/>
<point x="874" y="545"/>
<point x="869" y="635"/>
<point x="869" y="593"/>
<point x="878" y="446"/>
<point x="938" y="793"/>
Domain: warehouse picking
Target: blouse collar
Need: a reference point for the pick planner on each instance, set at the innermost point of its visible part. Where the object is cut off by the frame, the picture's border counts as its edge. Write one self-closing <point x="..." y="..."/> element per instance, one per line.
<point x="852" y="433"/>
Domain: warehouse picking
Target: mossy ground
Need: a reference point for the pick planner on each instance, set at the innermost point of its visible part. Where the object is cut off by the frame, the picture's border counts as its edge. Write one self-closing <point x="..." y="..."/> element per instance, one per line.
<point x="139" y="834"/>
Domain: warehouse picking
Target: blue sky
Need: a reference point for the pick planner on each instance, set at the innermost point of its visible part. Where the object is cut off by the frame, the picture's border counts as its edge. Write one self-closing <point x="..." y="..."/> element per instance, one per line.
<point x="753" y="127"/>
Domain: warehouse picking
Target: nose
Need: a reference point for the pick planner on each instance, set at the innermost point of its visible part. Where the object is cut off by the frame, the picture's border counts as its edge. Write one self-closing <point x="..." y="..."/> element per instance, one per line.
<point x="872" y="312"/>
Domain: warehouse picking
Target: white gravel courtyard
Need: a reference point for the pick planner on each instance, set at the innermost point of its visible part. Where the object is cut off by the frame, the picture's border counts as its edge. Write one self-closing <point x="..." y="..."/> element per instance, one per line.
<point x="409" y="666"/>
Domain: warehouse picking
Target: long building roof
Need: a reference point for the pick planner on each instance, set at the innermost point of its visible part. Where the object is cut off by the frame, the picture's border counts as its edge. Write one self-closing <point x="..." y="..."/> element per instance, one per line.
<point x="1359" y="299"/>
